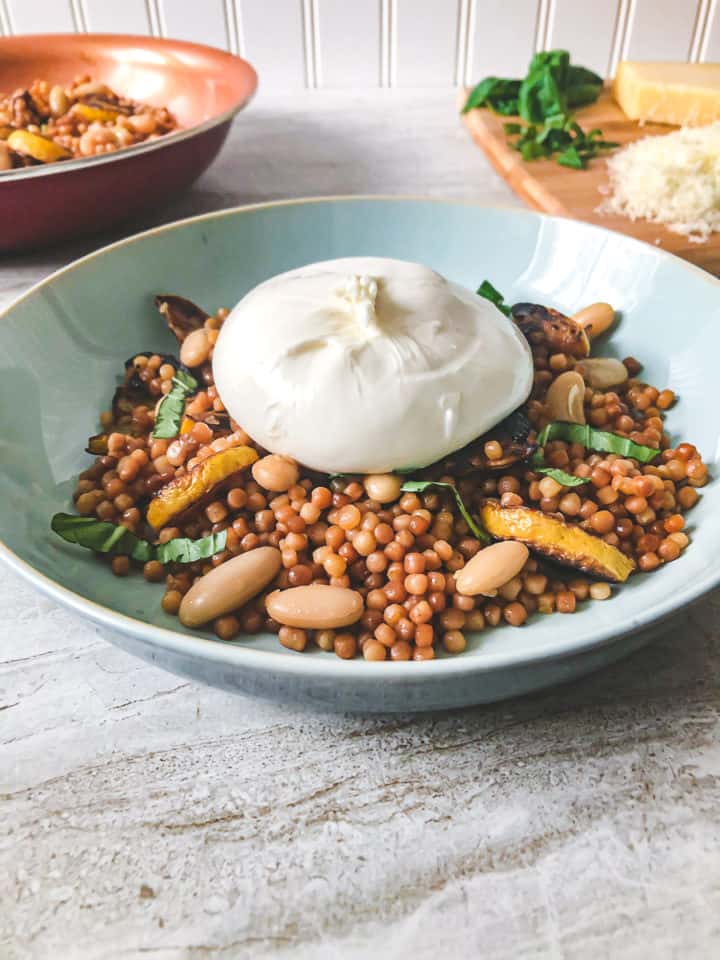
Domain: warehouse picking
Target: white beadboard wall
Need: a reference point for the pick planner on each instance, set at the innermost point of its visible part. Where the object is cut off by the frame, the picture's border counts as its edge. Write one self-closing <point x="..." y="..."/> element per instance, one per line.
<point x="406" y="43"/>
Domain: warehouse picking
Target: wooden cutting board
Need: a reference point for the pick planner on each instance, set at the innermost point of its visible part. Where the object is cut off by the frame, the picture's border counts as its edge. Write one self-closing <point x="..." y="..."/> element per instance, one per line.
<point x="545" y="185"/>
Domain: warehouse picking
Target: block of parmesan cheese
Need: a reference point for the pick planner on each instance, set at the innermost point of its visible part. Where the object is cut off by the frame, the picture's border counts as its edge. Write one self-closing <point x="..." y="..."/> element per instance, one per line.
<point x="686" y="94"/>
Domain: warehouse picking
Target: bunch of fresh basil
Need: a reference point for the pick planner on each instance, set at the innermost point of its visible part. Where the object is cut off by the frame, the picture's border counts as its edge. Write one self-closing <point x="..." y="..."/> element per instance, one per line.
<point x="545" y="99"/>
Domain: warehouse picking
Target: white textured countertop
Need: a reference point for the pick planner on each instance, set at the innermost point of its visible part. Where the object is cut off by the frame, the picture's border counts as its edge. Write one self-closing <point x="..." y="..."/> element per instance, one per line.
<point x="144" y="816"/>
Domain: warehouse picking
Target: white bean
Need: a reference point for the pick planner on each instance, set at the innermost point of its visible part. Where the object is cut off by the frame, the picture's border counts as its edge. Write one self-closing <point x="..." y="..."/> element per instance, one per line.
<point x="195" y="348"/>
<point x="229" y="586"/>
<point x="565" y="398"/>
<point x="595" y="319"/>
<point x="316" y="606"/>
<point x="496" y="566"/>
<point x="603" y="372"/>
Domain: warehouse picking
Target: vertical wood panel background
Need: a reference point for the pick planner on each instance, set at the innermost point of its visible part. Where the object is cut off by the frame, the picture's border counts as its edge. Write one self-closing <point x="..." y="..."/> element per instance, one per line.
<point x="203" y="21"/>
<point x="348" y="46"/>
<point x="586" y="28"/>
<point x="272" y="37"/>
<point x="40" y="16"/>
<point x="425" y="41"/>
<point x="128" y="16"/>
<point x="710" y="49"/>
<point x="661" y="29"/>
<point x="421" y="43"/>
<point x="502" y="37"/>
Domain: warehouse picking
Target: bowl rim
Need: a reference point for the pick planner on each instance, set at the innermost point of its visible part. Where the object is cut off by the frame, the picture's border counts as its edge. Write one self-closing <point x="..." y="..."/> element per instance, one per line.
<point x="235" y="654"/>
<point x="148" y="146"/>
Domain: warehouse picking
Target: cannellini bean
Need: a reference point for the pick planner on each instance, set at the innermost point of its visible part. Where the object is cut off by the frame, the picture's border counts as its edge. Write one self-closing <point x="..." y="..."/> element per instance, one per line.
<point x="195" y="348"/>
<point x="143" y="122"/>
<point x="87" y="144"/>
<point x="565" y="398"/>
<point x="595" y="319"/>
<point x="276" y="473"/>
<point x="603" y="372"/>
<point x="317" y="606"/>
<point x="383" y="487"/>
<point x="229" y="586"/>
<point x="491" y="568"/>
<point x="58" y="101"/>
<point x="91" y="87"/>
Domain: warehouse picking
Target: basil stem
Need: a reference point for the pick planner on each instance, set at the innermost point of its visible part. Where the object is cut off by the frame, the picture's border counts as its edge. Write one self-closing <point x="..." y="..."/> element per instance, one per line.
<point x="560" y="476"/>
<point x="593" y="439"/>
<point x="117" y="540"/>
<point x="537" y="462"/>
<point x="170" y="412"/>
<point x="418" y="486"/>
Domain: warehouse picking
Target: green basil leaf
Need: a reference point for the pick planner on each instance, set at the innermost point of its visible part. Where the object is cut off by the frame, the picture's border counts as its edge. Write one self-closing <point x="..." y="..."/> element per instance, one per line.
<point x="418" y="486"/>
<point x="117" y="540"/>
<point x="488" y="291"/>
<point x="593" y="439"/>
<point x="544" y="98"/>
<point x="531" y="150"/>
<point x="560" y="476"/>
<point x="537" y="462"/>
<point x="571" y="158"/>
<point x="583" y="86"/>
<point x="185" y="550"/>
<point x="543" y="90"/>
<point x="497" y="93"/>
<point x="577" y="76"/>
<point x="170" y="412"/>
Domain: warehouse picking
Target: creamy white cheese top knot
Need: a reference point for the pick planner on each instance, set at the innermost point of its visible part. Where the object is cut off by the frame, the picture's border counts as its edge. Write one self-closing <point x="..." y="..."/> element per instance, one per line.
<point x="366" y="364"/>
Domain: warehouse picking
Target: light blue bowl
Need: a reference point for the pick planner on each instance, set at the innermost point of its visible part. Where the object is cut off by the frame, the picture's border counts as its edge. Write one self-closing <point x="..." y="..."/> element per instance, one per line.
<point x="63" y="343"/>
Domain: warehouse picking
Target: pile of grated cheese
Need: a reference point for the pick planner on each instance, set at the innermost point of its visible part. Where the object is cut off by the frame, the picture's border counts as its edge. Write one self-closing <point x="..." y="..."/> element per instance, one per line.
<point x="672" y="179"/>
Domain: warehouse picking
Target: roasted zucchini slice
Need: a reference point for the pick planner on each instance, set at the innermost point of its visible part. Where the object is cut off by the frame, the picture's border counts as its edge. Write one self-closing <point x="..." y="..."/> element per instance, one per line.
<point x="187" y="491"/>
<point x="181" y="315"/>
<point x="557" y="540"/>
<point x="96" y="114"/>
<point x="38" y="148"/>
<point x="516" y="436"/>
<point x="561" y="334"/>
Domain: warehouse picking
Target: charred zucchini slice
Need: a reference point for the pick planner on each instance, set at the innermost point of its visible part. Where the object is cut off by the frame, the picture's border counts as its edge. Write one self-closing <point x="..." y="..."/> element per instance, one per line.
<point x="38" y="148"/>
<point x="96" y="114"/>
<point x="181" y="315"/>
<point x="187" y="491"/>
<point x="516" y="436"/>
<point x="543" y="324"/>
<point x="557" y="540"/>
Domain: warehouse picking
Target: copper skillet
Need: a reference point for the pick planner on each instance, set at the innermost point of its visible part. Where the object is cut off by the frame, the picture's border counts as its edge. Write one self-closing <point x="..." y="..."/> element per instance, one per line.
<point x="202" y="86"/>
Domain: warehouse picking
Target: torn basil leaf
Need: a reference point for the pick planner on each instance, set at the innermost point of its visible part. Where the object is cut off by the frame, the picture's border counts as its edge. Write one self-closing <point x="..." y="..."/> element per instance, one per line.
<point x="418" y="486"/>
<point x="497" y="93"/>
<point x="488" y="291"/>
<point x="571" y="158"/>
<point x="117" y="540"/>
<point x="593" y="439"/>
<point x="170" y="412"/>
<point x="561" y="477"/>
<point x="545" y="98"/>
<point x="537" y="463"/>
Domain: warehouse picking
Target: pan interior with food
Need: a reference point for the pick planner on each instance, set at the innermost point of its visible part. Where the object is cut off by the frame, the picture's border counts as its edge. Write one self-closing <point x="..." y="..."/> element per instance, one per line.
<point x="151" y="114"/>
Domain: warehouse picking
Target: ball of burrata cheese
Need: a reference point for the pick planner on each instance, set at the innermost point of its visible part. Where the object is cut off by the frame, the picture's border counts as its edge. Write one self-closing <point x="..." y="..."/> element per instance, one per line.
<point x="368" y="364"/>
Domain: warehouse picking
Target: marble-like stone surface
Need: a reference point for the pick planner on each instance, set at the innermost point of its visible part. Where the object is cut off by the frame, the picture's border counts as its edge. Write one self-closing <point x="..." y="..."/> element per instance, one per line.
<point x="145" y="816"/>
